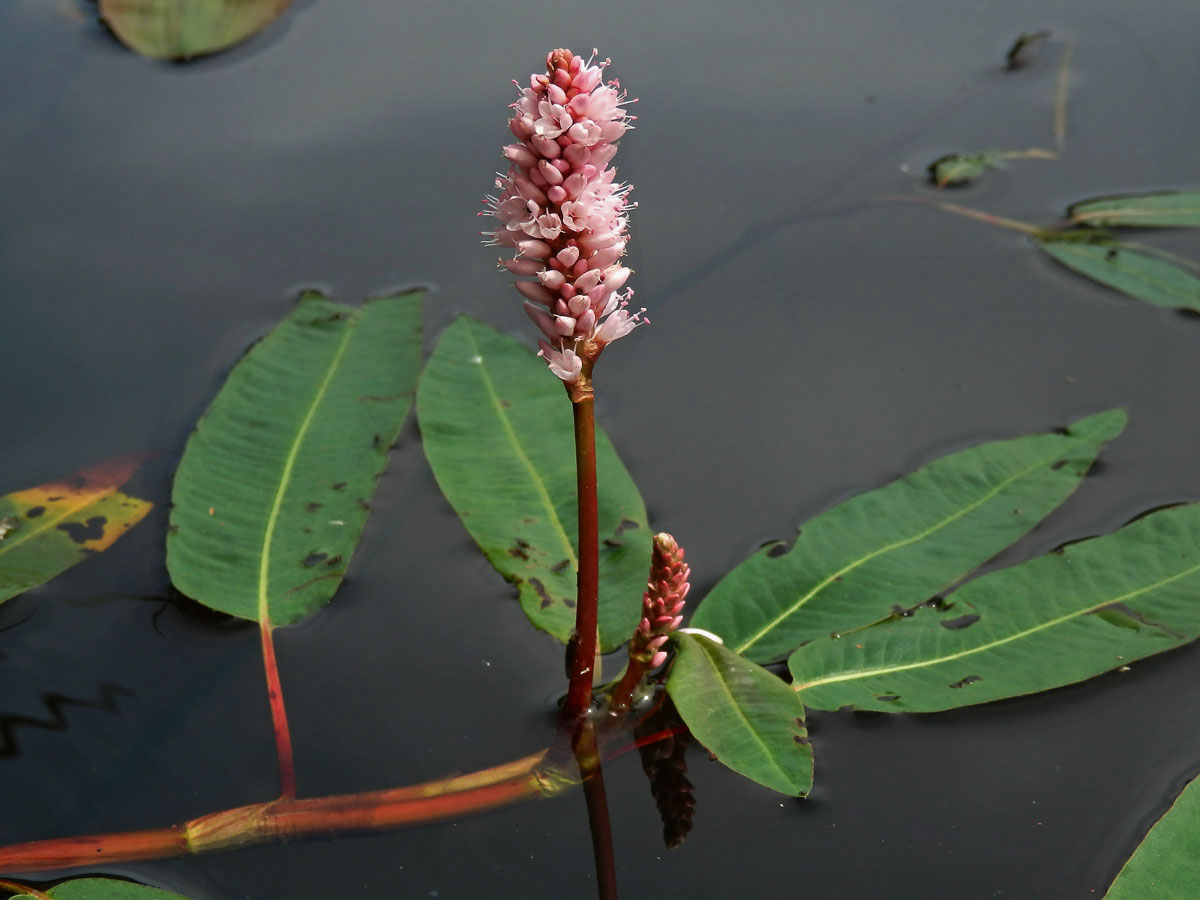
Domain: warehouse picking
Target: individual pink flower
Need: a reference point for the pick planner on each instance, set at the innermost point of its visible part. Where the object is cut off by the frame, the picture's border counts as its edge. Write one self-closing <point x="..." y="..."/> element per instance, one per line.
<point x="564" y="213"/>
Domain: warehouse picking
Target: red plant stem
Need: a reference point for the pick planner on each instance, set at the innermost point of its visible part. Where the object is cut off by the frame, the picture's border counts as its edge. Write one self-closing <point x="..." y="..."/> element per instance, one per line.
<point x="587" y="754"/>
<point x="581" y="652"/>
<point x="283" y="735"/>
<point x="621" y="696"/>
<point x="261" y="823"/>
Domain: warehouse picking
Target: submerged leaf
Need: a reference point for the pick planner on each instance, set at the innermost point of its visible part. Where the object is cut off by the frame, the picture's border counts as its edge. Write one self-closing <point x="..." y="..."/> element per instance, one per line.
<point x="498" y="433"/>
<point x="959" y="168"/>
<point x="749" y="719"/>
<point x="1166" y="865"/>
<point x="104" y="889"/>
<point x="273" y="489"/>
<point x="1061" y="618"/>
<point x="1162" y="209"/>
<point x="1123" y="268"/>
<point x="899" y="545"/>
<point x="181" y="29"/>
<point x="47" y="529"/>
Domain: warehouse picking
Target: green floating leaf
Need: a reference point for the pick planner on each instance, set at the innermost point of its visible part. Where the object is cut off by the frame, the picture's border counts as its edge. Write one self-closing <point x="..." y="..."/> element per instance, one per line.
<point x="104" y="889"/>
<point x="181" y="29"/>
<point x="1064" y="617"/>
<point x="749" y="719"/>
<point x="497" y="429"/>
<point x="1166" y="865"/>
<point x="1163" y="209"/>
<point x="959" y="168"/>
<point x="1121" y="267"/>
<point x="899" y="545"/>
<point x="47" y="529"/>
<point x="274" y="486"/>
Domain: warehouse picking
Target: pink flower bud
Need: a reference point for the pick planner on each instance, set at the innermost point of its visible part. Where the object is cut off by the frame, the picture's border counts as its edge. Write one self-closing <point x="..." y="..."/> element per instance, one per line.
<point x="531" y="290"/>
<point x="523" y="266"/>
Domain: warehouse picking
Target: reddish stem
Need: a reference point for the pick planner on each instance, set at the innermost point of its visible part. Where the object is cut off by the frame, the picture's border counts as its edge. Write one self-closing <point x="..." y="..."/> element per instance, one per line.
<point x="261" y="823"/>
<point x="581" y="652"/>
<point x="283" y="735"/>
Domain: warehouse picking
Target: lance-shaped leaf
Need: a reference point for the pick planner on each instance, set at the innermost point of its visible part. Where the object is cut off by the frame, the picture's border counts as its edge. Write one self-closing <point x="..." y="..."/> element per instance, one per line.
<point x="1150" y="278"/>
<point x="181" y="29"/>
<point x="901" y="544"/>
<point x="1166" y="865"/>
<point x="273" y="489"/>
<point x="749" y="719"/>
<point x="1058" y="619"/>
<point x="47" y="529"/>
<point x="104" y="889"/>
<point x="1163" y="209"/>
<point x="497" y="430"/>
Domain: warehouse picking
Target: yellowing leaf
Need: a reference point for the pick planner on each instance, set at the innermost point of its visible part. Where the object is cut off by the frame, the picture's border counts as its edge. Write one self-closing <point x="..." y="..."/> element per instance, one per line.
<point x="49" y="528"/>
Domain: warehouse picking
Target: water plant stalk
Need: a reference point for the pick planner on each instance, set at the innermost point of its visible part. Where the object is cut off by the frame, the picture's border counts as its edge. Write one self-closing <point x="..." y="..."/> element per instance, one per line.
<point x="279" y="720"/>
<point x="581" y="651"/>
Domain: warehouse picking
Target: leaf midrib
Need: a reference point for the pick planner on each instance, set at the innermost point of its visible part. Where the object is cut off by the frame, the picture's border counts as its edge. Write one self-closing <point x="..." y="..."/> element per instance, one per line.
<point x="9" y="544"/>
<point x="286" y="475"/>
<point x="712" y="661"/>
<point x="962" y="654"/>
<point x="791" y="610"/>
<point x="530" y="469"/>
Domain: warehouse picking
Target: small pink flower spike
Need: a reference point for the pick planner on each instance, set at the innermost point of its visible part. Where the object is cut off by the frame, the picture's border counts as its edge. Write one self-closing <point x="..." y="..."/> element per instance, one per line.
<point x="564" y="213"/>
<point x="662" y="604"/>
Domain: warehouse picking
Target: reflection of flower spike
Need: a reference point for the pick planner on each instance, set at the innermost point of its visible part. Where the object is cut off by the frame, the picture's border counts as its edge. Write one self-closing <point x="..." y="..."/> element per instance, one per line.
<point x="562" y="210"/>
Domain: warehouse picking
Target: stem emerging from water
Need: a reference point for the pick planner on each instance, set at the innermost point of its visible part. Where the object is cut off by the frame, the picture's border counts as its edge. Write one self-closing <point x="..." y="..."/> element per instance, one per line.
<point x="581" y="652"/>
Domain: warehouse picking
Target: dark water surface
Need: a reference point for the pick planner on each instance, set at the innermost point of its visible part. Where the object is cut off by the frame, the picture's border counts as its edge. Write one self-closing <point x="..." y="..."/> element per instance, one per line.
<point x="806" y="344"/>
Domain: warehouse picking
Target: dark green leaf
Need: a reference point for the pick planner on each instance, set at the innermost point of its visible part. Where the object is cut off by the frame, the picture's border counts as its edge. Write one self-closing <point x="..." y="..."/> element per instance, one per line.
<point x="274" y="486"/>
<point x="901" y="544"/>
<point x="1130" y="271"/>
<point x="47" y="529"/>
<point x="1082" y="610"/>
<point x="1165" y="209"/>
<point x="1166" y="865"/>
<point x="181" y="29"/>
<point x="744" y="715"/>
<point x="497" y="429"/>
<point x="959" y="168"/>
<point x="1018" y="54"/>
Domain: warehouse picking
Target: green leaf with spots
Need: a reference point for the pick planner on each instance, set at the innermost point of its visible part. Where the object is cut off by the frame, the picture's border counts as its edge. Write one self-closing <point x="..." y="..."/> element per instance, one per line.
<point x="901" y="544"/>
<point x="497" y="429"/>
<point x="274" y="486"/>
<point x="103" y="889"/>
<point x="749" y="719"/>
<point x="49" y="528"/>
<point x="1161" y="209"/>
<point x="1166" y="865"/>
<point x="181" y="29"/>
<point x="1135" y="272"/>
<point x="1061" y="618"/>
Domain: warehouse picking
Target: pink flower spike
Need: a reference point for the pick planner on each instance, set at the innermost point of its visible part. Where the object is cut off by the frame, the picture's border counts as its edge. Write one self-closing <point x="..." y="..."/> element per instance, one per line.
<point x="563" y="209"/>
